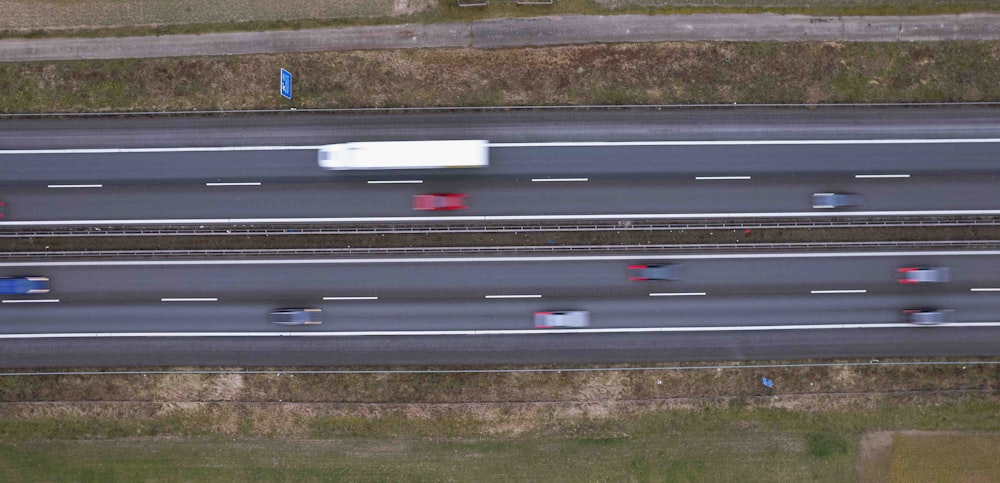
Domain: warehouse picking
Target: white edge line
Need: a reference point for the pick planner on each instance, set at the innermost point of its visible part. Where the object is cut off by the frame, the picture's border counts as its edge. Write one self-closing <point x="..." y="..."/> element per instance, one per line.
<point x="790" y="142"/>
<point x="30" y="301"/>
<point x="707" y="178"/>
<point x="255" y="183"/>
<point x="568" y="258"/>
<point x="410" y="333"/>
<point x="675" y="294"/>
<point x="350" y="298"/>
<point x="76" y="186"/>
<point x="533" y="296"/>
<point x="984" y="289"/>
<point x="554" y="180"/>
<point x="838" y="291"/>
<point x="189" y="299"/>
<point x="863" y="176"/>
<point x="401" y="181"/>
<point x="412" y="219"/>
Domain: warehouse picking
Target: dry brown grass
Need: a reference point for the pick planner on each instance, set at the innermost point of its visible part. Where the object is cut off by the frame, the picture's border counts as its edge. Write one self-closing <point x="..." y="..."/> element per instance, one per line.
<point x="661" y="73"/>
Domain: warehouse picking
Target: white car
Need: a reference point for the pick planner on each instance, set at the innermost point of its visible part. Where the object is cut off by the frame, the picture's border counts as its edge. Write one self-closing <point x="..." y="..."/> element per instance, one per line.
<point x="562" y="319"/>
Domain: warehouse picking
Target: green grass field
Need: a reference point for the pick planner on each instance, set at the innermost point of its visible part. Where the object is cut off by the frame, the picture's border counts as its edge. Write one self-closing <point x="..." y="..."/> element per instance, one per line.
<point x="746" y="444"/>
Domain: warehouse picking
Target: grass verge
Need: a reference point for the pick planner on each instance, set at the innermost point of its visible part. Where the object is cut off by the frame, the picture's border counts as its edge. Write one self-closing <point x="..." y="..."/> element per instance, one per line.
<point x="653" y="73"/>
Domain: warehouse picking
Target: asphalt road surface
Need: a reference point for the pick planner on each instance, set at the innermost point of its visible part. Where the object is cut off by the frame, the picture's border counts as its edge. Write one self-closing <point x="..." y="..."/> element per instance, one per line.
<point x="426" y="311"/>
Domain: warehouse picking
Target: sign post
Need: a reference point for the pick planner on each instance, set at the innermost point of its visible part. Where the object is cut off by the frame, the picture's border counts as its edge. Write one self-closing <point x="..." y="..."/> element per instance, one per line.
<point x="286" y="84"/>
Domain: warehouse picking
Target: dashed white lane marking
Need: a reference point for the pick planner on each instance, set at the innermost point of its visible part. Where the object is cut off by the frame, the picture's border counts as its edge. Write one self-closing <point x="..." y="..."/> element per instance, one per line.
<point x="31" y="301"/>
<point x="984" y="289"/>
<point x="676" y="294"/>
<point x="838" y="291"/>
<point x="350" y="298"/>
<point x="395" y="181"/>
<point x="76" y="186"/>
<point x="863" y="176"/>
<point x="557" y="180"/>
<point x="715" y="178"/>
<point x="248" y="183"/>
<point x="189" y="299"/>
<point x="532" y="296"/>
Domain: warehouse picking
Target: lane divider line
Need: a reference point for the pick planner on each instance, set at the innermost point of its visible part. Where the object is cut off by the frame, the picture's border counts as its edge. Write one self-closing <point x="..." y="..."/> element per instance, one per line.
<point x="556" y="180"/>
<point x="676" y="294"/>
<point x="248" y="183"/>
<point x="391" y="181"/>
<point x="76" y="186"/>
<point x="838" y="291"/>
<point x="350" y="298"/>
<point x="711" y="178"/>
<point x="985" y="289"/>
<point x="30" y="301"/>
<point x="864" y="176"/>
<point x="534" y="296"/>
<point x="189" y="299"/>
<point x="410" y="333"/>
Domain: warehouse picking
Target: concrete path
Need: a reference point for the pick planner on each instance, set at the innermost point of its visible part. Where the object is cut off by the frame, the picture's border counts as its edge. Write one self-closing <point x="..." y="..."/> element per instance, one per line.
<point x="539" y="31"/>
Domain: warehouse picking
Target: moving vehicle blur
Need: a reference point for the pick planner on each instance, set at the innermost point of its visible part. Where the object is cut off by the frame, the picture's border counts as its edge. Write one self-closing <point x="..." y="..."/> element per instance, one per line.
<point x="405" y="155"/>
<point x="668" y="271"/>
<point x="559" y="319"/>
<point x="918" y="275"/>
<point x="24" y="285"/>
<point x="835" y="200"/>
<point x="926" y="316"/>
<point x="297" y="316"/>
<point x="440" y="202"/>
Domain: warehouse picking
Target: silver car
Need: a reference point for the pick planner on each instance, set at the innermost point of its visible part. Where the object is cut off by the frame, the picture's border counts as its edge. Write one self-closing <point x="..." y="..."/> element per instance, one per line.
<point x="562" y="319"/>
<point x="297" y="316"/>
<point x="926" y="316"/>
<point x="835" y="200"/>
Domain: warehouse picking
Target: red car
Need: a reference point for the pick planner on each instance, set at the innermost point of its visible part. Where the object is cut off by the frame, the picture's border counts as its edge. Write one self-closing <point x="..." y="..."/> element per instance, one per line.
<point x="440" y="201"/>
<point x="3" y="209"/>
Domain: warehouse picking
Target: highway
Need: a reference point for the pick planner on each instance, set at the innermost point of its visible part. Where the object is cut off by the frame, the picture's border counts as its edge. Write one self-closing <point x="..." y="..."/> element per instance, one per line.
<point x="430" y="306"/>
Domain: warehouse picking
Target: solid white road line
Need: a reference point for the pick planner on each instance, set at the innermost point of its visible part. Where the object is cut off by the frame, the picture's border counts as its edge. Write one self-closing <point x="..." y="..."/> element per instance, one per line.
<point x="414" y="219"/>
<point x="76" y="186"/>
<point x="411" y="333"/>
<point x="555" y="180"/>
<point x="350" y="298"/>
<point x="864" y="176"/>
<point x="567" y="258"/>
<point x="987" y="289"/>
<point x="400" y="181"/>
<point x="255" y="183"/>
<point x="31" y="301"/>
<point x="513" y="296"/>
<point x="839" y="291"/>
<point x="676" y="294"/>
<point x="790" y="142"/>
<point x="190" y="299"/>
<point x="709" y="178"/>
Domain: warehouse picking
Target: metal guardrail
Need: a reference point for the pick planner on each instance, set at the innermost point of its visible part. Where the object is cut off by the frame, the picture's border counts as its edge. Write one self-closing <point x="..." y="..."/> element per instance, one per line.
<point x="505" y="250"/>
<point x="370" y="229"/>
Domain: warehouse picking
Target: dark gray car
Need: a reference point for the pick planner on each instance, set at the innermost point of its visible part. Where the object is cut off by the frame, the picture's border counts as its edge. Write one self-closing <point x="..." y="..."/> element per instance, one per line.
<point x="835" y="200"/>
<point x="297" y="316"/>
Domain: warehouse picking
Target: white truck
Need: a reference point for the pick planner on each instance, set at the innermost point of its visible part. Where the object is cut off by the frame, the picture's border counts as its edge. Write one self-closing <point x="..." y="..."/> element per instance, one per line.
<point x="405" y="155"/>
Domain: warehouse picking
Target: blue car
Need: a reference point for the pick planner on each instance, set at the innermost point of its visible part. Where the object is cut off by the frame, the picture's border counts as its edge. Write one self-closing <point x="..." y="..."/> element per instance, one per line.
<point x="24" y="285"/>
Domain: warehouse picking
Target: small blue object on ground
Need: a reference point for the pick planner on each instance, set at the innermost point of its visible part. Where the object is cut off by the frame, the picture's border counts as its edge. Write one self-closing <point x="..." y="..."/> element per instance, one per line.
<point x="767" y="382"/>
<point x="286" y="83"/>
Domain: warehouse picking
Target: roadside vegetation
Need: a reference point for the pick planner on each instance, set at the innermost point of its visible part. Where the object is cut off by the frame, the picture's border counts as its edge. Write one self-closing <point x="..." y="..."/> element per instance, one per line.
<point x="109" y="18"/>
<point x="679" y="425"/>
<point x="648" y="73"/>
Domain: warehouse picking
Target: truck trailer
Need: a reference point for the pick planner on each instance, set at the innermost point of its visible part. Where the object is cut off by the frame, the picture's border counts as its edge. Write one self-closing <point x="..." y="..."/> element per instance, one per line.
<point x="405" y="155"/>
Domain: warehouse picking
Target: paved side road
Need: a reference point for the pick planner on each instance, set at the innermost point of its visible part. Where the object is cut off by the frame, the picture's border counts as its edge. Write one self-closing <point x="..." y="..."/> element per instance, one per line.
<point x="539" y="31"/>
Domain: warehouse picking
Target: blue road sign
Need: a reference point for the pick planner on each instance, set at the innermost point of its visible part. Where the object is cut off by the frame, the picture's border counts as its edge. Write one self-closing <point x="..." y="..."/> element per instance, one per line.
<point x="286" y="83"/>
<point x="767" y="382"/>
